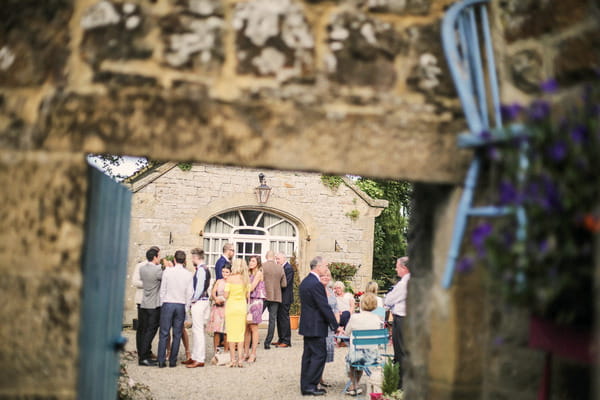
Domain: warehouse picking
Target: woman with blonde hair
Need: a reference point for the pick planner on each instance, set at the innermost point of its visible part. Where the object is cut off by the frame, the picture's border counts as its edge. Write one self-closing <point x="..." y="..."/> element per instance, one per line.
<point x="373" y="287"/>
<point x="255" y="307"/>
<point x="236" y="294"/>
<point x="365" y="319"/>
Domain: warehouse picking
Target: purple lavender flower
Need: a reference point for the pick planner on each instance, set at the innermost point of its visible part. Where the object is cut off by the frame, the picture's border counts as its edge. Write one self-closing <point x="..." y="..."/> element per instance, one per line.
<point x="539" y="110"/>
<point x="498" y="341"/>
<point x="508" y="193"/>
<point x="493" y="153"/>
<point x="543" y="246"/>
<point x="465" y="265"/>
<point x="479" y="236"/>
<point x="510" y="112"/>
<point x="552" y="199"/>
<point x="579" y="134"/>
<point x="485" y="135"/>
<point x="549" y="86"/>
<point x="558" y="151"/>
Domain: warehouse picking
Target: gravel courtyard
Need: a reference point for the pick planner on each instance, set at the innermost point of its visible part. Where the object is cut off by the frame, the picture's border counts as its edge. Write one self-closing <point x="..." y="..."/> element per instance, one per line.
<point x="274" y="375"/>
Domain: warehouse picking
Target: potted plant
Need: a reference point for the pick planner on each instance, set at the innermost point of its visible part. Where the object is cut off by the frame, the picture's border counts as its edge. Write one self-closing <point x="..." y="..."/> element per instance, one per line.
<point x="295" y="306"/>
<point x="391" y="381"/>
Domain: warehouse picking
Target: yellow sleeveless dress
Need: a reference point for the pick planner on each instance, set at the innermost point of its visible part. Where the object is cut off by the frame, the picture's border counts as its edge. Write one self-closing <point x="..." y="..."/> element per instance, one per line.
<point x="235" y="312"/>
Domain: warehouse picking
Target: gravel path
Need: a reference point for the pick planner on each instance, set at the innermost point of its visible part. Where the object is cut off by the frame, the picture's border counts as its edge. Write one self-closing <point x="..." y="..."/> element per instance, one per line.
<point x="274" y="375"/>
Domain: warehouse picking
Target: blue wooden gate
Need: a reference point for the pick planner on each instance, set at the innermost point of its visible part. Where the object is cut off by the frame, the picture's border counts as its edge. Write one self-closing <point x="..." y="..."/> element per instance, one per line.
<point x="104" y="269"/>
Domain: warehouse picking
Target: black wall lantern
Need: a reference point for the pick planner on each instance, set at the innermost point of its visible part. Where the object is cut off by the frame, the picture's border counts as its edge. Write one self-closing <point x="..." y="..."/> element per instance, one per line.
<point x="263" y="191"/>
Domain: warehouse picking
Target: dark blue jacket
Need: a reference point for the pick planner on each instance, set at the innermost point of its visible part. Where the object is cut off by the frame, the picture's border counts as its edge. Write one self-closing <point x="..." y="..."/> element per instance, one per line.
<point x="287" y="293"/>
<point x="315" y="314"/>
<point x="219" y="267"/>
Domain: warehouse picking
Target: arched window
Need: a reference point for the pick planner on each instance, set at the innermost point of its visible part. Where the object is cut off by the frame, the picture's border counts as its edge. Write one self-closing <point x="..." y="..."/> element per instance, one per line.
<point x="252" y="232"/>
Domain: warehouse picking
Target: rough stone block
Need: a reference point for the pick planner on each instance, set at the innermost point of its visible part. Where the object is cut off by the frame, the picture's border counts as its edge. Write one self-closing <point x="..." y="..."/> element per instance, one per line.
<point x="113" y="31"/>
<point x="33" y="41"/>
<point x="578" y="58"/>
<point x="400" y="7"/>
<point x="430" y="73"/>
<point x="193" y="36"/>
<point x="363" y="50"/>
<point x="42" y="210"/>
<point x="39" y="345"/>
<point x="526" y="68"/>
<point x="273" y="39"/>
<point x="524" y="19"/>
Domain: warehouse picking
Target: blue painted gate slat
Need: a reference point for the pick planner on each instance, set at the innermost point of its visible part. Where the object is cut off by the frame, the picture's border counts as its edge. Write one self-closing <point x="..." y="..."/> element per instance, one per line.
<point x="104" y="274"/>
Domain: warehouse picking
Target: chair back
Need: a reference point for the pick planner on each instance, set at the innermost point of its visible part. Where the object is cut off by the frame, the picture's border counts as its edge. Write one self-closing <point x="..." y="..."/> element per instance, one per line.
<point x="369" y="337"/>
<point x="471" y="63"/>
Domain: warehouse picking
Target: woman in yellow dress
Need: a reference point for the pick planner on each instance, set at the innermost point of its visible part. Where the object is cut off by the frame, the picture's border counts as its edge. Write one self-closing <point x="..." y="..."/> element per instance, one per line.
<point x="236" y="308"/>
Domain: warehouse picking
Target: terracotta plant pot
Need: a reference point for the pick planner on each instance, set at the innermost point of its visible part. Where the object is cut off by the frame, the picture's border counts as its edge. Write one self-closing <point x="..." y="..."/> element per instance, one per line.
<point x="294" y="321"/>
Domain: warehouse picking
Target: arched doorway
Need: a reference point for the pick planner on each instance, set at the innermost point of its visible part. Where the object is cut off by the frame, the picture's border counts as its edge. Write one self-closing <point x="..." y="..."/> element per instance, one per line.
<point x="253" y="232"/>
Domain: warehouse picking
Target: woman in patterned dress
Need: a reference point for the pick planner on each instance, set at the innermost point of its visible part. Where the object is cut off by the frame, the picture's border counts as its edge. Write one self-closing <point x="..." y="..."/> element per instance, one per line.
<point x="255" y="307"/>
<point x="217" y="312"/>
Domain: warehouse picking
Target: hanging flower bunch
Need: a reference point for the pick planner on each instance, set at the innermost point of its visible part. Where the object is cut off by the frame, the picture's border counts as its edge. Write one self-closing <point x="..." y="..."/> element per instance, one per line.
<point x="550" y="269"/>
<point x="342" y="271"/>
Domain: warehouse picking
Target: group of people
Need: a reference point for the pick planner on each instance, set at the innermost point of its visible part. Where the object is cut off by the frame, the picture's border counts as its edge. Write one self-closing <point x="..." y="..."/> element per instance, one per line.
<point x="171" y="297"/>
<point x="327" y="312"/>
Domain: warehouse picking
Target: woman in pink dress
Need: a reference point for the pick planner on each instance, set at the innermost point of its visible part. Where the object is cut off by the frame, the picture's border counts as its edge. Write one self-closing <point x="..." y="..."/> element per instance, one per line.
<point x="217" y="312"/>
<point x="255" y="307"/>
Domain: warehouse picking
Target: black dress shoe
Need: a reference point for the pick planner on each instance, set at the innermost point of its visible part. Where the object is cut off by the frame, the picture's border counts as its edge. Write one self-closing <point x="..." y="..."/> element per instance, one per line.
<point x="162" y="365"/>
<point x="267" y="347"/>
<point x="325" y="384"/>
<point x="172" y="365"/>
<point x="147" y="363"/>
<point x="316" y="392"/>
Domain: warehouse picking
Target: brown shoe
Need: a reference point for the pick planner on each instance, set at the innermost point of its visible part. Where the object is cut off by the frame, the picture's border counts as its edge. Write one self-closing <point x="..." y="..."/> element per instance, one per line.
<point x="195" y="364"/>
<point x="282" y="345"/>
<point x="275" y="343"/>
<point x="188" y="361"/>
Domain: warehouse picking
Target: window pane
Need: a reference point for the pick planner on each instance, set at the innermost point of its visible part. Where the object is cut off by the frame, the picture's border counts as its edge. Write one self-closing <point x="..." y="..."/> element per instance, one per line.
<point x="250" y="216"/>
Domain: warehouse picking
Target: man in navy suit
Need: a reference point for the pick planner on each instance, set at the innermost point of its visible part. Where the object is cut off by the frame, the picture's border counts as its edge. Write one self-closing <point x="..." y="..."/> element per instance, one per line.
<point x="225" y="258"/>
<point x="316" y="318"/>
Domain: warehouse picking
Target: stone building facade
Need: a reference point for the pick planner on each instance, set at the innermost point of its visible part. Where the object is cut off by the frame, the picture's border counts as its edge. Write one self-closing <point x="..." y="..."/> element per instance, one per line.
<point x="356" y="86"/>
<point x="210" y="205"/>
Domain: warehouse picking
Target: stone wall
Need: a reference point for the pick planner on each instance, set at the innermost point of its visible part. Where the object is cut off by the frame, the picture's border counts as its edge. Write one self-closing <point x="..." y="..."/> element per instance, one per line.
<point x="309" y="85"/>
<point x="42" y="211"/>
<point x="171" y="211"/>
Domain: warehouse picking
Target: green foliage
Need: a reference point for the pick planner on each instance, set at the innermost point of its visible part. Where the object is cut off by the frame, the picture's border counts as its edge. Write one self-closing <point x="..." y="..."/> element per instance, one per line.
<point x="185" y="166"/>
<point x="353" y="215"/>
<point x="390" y="227"/>
<point x="342" y="271"/>
<point x="295" y="306"/>
<point x="391" y="378"/>
<point x="333" y="182"/>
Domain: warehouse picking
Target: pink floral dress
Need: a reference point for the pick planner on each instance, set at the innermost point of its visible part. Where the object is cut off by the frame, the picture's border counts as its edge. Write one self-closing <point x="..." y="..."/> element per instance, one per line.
<point x="217" y="312"/>
<point x="255" y="307"/>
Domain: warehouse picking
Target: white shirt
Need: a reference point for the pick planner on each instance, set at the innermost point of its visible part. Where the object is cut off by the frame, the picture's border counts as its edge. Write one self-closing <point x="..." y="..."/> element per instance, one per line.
<point x="396" y="298"/>
<point x="136" y="282"/>
<point x="363" y="320"/>
<point x="343" y="302"/>
<point x="176" y="286"/>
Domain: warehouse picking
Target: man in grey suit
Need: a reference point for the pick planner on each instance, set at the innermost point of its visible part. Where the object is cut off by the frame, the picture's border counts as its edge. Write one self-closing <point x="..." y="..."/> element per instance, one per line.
<point x="274" y="278"/>
<point x="150" y="275"/>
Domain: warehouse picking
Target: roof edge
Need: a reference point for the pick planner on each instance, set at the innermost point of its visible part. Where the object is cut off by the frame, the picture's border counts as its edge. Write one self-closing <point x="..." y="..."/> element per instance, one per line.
<point x="149" y="176"/>
<point x="375" y="203"/>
